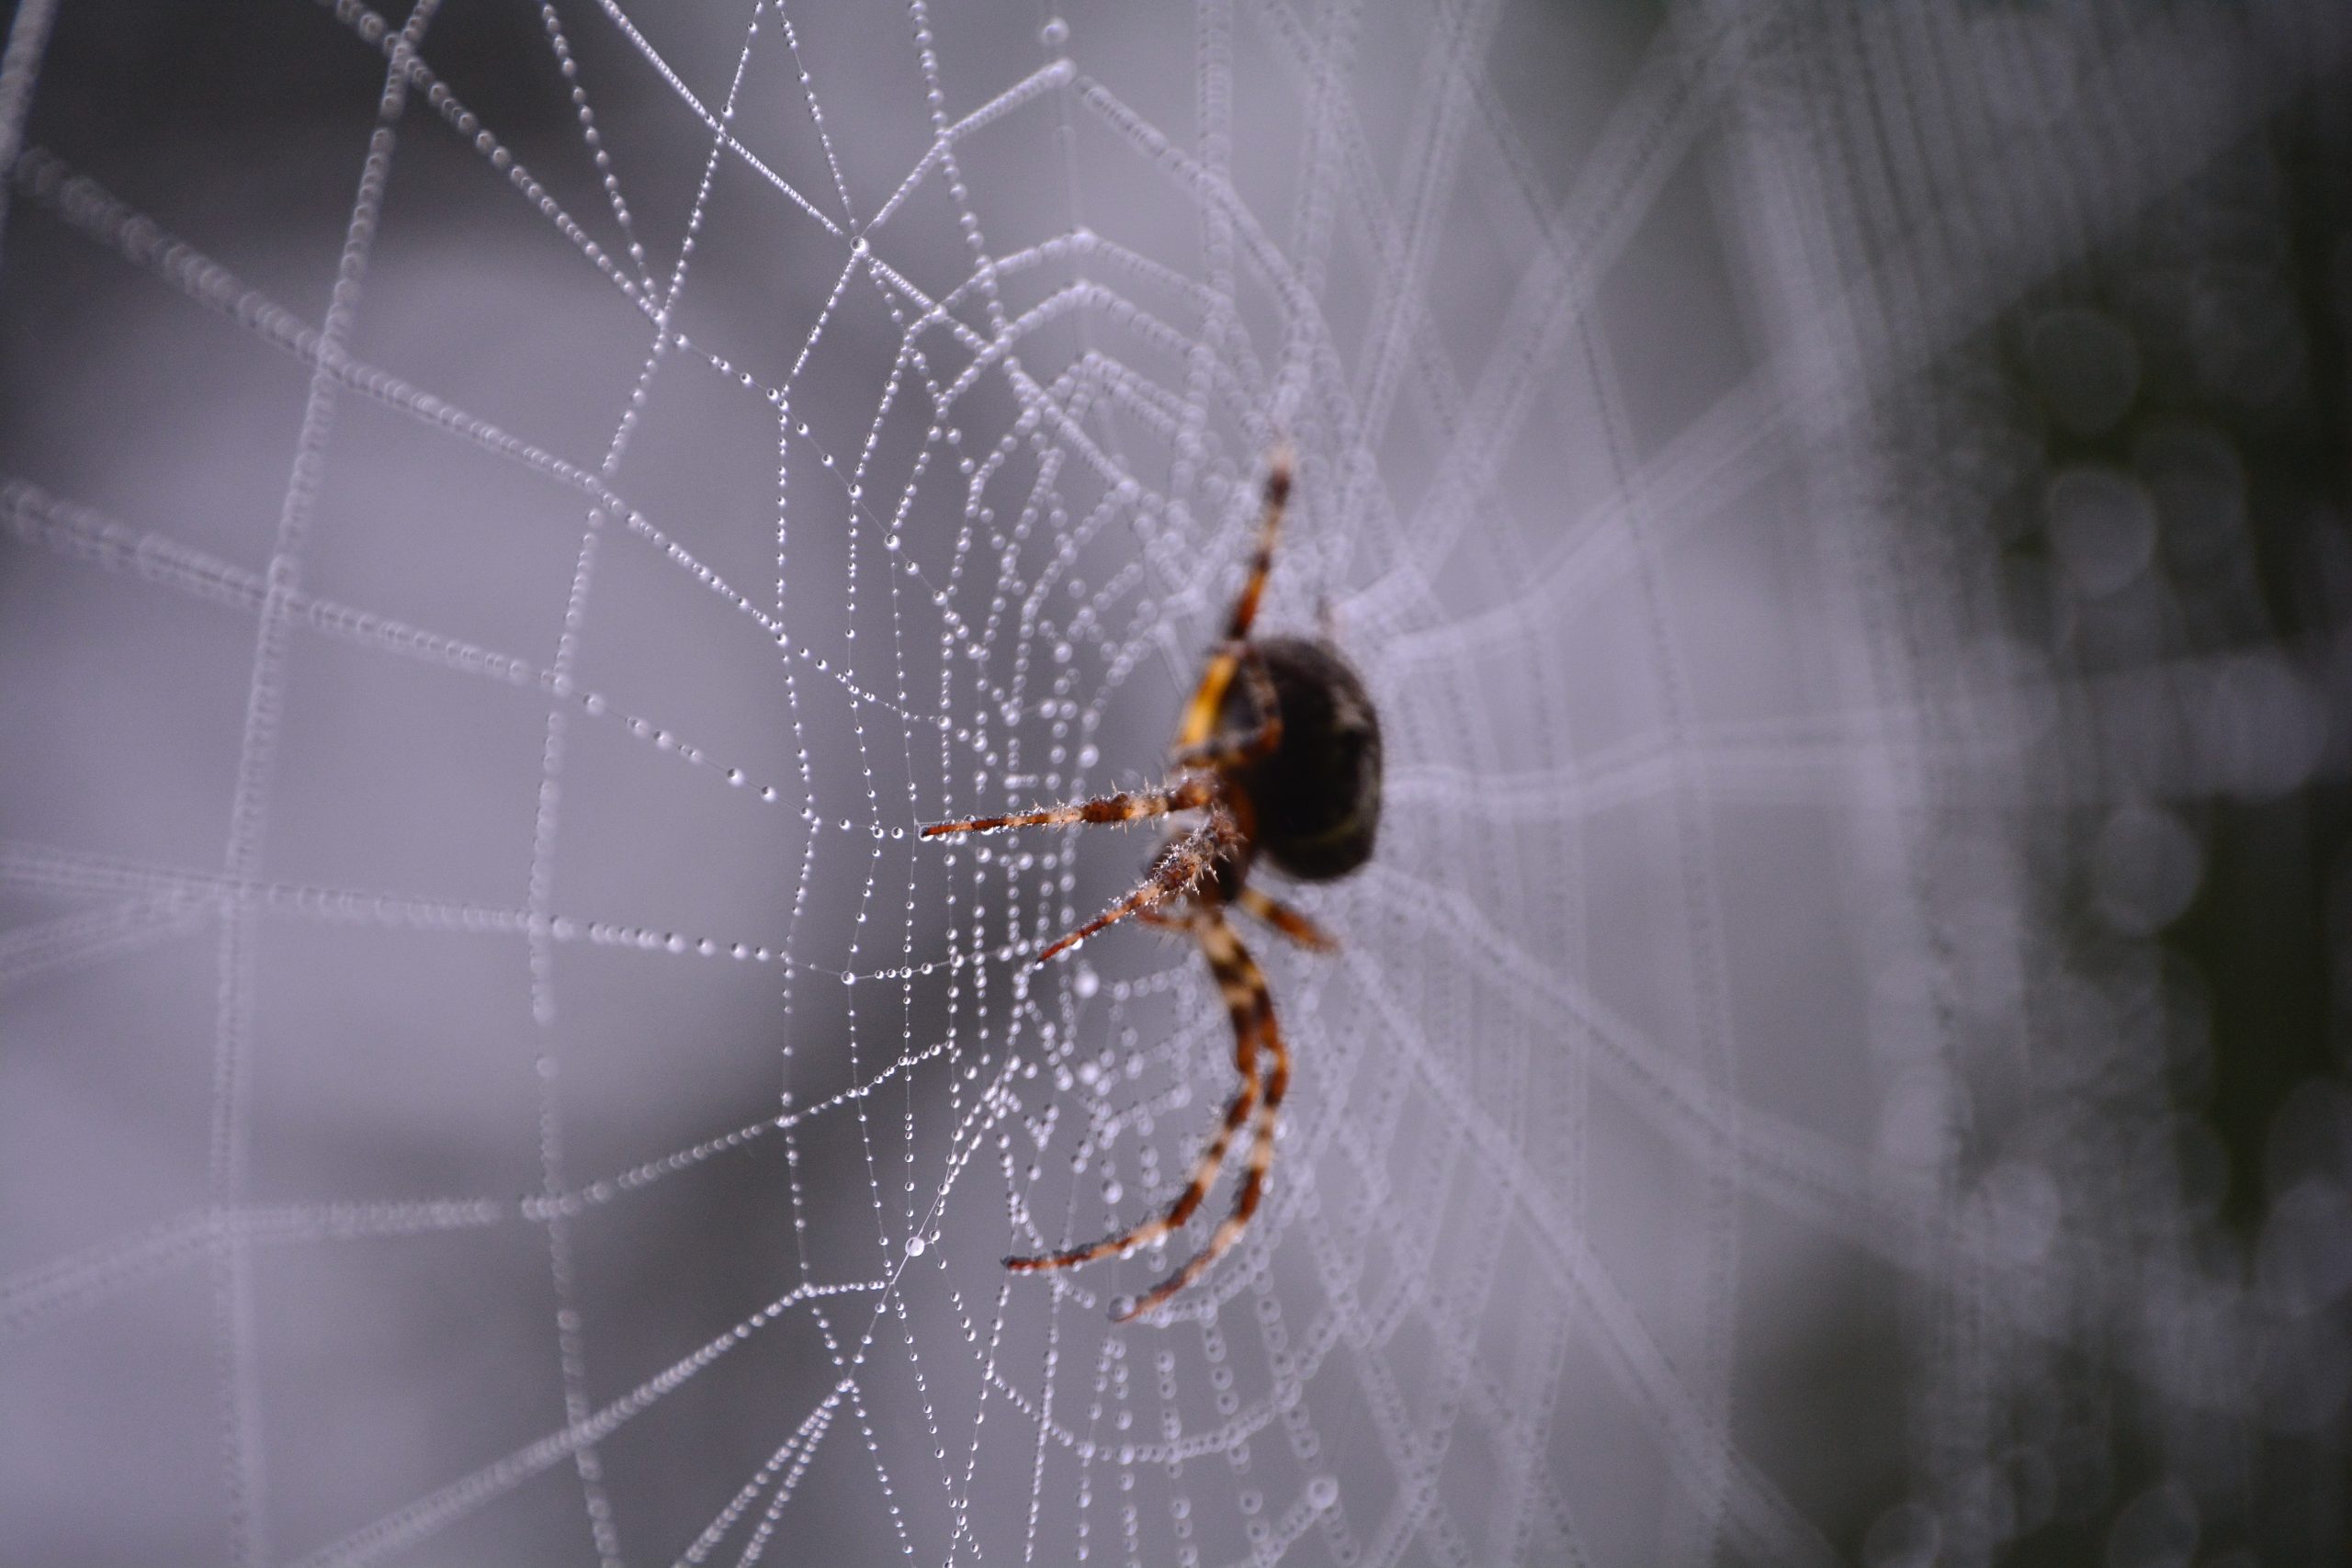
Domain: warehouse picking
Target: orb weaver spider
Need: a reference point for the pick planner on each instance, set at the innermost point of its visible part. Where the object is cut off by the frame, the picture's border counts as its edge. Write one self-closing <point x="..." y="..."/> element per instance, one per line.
<point x="1279" y="753"/>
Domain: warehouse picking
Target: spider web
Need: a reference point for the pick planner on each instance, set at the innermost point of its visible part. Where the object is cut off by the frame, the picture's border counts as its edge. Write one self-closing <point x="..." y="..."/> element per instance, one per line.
<point x="518" y="536"/>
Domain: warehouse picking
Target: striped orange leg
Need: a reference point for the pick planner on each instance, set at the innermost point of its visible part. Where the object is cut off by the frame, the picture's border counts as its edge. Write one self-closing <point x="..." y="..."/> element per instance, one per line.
<point x="1244" y="986"/>
<point x="1289" y="921"/>
<point x="1181" y="867"/>
<point x="1240" y="1002"/>
<point x="1200" y="714"/>
<point x="1132" y="805"/>
<point x="1258" y="742"/>
<point x="1245" y="604"/>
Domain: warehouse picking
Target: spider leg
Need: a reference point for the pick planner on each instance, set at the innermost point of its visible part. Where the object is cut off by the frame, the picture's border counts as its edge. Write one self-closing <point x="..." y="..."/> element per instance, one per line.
<point x="1176" y="870"/>
<point x="1127" y="807"/>
<point x="1244" y="986"/>
<point x="1288" y="921"/>
<point x="1245" y="604"/>
<point x="1241" y="1004"/>
<point x="1200" y="715"/>
<point x="1258" y="742"/>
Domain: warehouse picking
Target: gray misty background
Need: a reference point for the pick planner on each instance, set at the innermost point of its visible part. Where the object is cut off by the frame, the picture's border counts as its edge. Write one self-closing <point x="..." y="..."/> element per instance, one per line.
<point x="511" y="516"/>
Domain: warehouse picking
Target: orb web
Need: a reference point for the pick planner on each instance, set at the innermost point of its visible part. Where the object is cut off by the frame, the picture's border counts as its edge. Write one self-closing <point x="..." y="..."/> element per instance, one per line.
<point x="512" y="540"/>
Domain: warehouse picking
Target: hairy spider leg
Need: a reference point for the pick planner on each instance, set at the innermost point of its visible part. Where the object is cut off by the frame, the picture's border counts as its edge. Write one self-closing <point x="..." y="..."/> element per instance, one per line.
<point x="1244" y="1004"/>
<point x="1288" y="921"/>
<point x="1244" y="986"/>
<point x="1176" y="870"/>
<point x="1200" y="715"/>
<point x="1258" y="742"/>
<point x="1128" y="806"/>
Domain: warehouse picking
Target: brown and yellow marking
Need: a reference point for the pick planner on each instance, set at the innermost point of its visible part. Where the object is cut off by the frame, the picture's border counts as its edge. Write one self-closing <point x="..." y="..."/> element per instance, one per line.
<point x="1260" y="741"/>
<point x="1200" y="715"/>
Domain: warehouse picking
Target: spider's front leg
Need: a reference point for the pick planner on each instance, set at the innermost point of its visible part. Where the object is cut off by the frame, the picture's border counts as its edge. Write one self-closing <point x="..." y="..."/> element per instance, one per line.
<point x="1184" y="864"/>
<point x="1130" y="805"/>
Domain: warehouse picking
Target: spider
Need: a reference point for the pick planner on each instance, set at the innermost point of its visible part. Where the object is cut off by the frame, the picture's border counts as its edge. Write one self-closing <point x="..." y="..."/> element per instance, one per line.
<point x="1278" y="753"/>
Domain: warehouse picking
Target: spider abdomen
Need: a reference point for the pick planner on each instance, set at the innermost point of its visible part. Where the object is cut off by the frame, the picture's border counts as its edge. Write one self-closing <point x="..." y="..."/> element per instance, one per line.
<point x="1316" y="794"/>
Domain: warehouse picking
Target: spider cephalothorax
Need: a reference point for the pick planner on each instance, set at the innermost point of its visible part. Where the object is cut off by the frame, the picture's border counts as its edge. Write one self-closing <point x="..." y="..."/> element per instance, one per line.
<point x="1279" y="755"/>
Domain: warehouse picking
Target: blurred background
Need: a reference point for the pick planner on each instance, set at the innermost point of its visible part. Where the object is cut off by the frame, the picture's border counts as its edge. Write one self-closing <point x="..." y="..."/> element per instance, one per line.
<point x="512" y="516"/>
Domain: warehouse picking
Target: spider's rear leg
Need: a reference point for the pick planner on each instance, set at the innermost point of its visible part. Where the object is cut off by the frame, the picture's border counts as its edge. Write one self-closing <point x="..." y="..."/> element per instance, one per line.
<point x="1182" y="865"/>
<point x="1127" y="807"/>
<point x="1288" y="921"/>
<point x="1244" y="986"/>
<point x="1243" y="1005"/>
